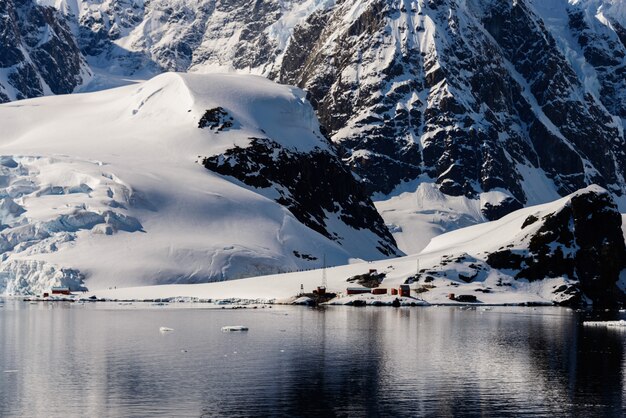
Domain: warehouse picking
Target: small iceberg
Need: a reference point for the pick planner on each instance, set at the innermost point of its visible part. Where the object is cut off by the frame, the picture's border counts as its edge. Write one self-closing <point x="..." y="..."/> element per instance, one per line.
<point x="231" y="328"/>
<point x="165" y="329"/>
<point x="621" y="323"/>
<point x="304" y="300"/>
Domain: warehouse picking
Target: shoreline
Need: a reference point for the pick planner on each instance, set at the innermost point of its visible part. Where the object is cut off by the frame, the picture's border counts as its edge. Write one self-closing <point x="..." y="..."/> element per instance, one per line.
<point x="243" y="303"/>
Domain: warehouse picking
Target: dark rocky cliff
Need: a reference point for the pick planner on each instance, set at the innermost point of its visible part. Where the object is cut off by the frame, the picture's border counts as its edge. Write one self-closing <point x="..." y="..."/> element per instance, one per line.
<point x="466" y="96"/>
<point x="38" y="52"/>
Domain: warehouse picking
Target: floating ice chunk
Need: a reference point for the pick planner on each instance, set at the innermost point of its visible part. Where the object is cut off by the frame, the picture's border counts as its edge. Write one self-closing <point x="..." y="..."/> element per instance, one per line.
<point x="303" y="300"/>
<point x="620" y="323"/>
<point x="230" y="328"/>
<point x="165" y="329"/>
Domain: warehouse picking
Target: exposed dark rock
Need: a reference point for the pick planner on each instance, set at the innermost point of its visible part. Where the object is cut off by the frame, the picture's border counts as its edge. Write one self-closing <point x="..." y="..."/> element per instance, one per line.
<point x="468" y="279"/>
<point x="568" y="295"/>
<point x="581" y="241"/>
<point x="216" y="119"/>
<point x="371" y="279"/>
<point x="304" y="256"/>
<point x="466" y="298"/>
<point x="531" y="219"/>
<point x="508" y="205"/>
<point x="311" y="185"/>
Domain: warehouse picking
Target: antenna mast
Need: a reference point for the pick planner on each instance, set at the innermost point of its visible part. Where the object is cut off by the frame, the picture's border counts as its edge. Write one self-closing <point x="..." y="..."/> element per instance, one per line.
<point x="324" y="272"/>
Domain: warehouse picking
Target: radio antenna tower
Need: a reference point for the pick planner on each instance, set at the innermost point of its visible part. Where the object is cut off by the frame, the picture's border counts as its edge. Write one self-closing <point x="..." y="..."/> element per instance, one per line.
<point x="324" y="272"/>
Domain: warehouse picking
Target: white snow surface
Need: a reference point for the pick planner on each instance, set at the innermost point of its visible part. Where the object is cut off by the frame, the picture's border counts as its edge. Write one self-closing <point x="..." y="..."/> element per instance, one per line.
<point x="105" y="187"/>
<point x="610" y="324"/>
<point x="415" y="216"/>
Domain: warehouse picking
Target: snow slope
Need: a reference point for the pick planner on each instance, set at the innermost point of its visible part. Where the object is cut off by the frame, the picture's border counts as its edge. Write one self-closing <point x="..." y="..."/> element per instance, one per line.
<point x="105" y="187"/>
<point x="446" y="258"/>
<point x="282" y="287"/>
<point x="417" y="214"/>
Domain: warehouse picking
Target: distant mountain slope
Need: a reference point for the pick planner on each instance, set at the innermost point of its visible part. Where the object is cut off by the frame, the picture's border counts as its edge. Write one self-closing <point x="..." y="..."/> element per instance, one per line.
<point x="108" y="189"/>
<point x="473" y="96"/>
<point x="38" y="53"/>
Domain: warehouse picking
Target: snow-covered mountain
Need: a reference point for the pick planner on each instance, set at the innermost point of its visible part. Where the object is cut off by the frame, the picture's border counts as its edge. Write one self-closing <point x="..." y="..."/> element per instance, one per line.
<point x="184" y="178"/>
<point x="449" y="112"/>
<point x="503" y="103"/>
<point x="495" y="104"/>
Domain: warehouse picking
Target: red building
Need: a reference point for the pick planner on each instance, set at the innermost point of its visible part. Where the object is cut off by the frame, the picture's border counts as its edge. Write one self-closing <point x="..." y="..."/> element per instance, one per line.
<point x="60" y="291"/>
<point x="404" y="290"/>
<point x="357" y="290"/>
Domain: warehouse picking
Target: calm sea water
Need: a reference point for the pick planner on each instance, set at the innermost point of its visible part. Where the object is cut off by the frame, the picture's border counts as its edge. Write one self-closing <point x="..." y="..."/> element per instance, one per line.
<point x="100" y="360"/>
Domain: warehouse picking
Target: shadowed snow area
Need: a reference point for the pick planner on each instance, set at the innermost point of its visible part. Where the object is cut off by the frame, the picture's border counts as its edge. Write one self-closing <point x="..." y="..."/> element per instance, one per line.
<point x="106" y="187"/>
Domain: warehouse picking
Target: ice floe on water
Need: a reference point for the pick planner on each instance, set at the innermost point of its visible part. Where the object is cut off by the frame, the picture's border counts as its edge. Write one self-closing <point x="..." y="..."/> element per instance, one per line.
<point x="611" y="324"/>
<point x="234" y="328"/>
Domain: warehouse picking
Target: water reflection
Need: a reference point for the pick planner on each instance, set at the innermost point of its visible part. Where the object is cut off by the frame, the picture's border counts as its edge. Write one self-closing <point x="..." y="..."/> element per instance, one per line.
<point x="108" y="361"/>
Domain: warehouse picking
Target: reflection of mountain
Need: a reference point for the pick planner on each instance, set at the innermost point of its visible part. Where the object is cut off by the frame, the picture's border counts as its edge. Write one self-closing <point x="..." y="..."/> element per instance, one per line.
<point x="580" y="368"/>
<point x="306" y="362"/>
<point x="333" y="364"/>
<point x="599" y="377"/>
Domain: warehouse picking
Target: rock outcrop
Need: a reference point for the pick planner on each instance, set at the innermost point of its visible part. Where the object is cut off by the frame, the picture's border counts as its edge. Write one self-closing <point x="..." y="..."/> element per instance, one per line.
<point x="315" y="186"/>
<point x="583" y="240"/>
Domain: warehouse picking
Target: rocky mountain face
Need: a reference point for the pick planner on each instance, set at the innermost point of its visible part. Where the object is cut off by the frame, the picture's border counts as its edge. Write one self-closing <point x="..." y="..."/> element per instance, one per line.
<point x="471" y="95"/>
<point x="130" y="36"/>
<point x="38" y="53"/>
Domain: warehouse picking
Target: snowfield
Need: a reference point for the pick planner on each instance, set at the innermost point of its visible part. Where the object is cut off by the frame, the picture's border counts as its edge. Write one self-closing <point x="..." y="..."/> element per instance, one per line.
<point x="284" y="287"/>
<point x="104" y="189"/>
